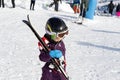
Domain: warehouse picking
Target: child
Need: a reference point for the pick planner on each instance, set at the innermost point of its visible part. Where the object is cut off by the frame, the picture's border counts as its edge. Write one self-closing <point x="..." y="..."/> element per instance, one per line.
<point x="56" y="30"/>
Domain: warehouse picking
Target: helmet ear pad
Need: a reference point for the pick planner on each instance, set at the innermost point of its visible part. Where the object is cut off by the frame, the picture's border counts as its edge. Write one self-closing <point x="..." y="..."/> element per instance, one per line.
<point x="56" y="25"/>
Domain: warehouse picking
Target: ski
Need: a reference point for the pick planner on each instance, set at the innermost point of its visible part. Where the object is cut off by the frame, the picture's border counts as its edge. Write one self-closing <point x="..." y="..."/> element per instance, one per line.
<point x="80" y="23"/>
<point x="45" y="47"/>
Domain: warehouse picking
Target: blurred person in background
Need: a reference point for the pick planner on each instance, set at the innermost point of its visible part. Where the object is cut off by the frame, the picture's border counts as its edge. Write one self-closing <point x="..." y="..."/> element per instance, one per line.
<point x="56" y="3"/>
<point x="32" y="4"/>
<point x="118" y="10"/>
<point x="111" y="7"/>
<point x="76" y="6"/>
<point x="2" y="3"/>
<point x="13" y="3"/>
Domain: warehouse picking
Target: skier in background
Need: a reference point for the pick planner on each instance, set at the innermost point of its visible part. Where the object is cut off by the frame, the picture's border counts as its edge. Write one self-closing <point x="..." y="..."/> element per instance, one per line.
<point x="83" y="9"/>
<point x="118" y="10"/>
<point x="56" y="30"/>
<point x="56" y="3"/>
<point x="32" y="4"/>
<point x="2" y="3"/>
<point x="76" y="6"/>
<point x="13" y="3"/>
<point x="111" y="7"/>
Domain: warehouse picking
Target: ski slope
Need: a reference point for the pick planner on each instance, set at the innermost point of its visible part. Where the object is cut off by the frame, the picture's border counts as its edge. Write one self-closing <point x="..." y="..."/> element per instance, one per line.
<point x="93" y="49"/>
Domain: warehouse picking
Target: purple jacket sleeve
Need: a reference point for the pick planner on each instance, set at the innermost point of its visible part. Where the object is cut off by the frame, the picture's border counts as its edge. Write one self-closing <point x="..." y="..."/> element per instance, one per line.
<point x="44" y="56"/>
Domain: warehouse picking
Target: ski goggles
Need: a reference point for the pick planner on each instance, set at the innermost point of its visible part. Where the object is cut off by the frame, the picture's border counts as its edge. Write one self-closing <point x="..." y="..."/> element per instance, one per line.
<point x="60" y="35"/>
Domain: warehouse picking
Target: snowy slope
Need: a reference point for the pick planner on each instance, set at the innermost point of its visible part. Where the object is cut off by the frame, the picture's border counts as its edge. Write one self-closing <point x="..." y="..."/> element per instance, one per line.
<point x="93" y="49"/>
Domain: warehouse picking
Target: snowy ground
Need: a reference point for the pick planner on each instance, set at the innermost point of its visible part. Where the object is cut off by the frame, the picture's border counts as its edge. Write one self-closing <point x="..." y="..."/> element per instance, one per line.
<point x="93" y="49"/>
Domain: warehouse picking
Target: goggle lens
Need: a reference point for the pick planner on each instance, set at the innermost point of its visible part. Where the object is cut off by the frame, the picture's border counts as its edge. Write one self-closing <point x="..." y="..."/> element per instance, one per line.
<point x="62" y="34"/>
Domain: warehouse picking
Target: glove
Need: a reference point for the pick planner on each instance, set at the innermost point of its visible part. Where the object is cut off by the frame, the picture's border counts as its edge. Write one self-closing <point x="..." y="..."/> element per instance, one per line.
<point x="55" y="53"/>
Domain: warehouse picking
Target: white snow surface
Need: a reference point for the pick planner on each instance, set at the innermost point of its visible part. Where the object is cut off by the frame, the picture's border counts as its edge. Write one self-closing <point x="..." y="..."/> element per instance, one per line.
<point x="92" y="49"/>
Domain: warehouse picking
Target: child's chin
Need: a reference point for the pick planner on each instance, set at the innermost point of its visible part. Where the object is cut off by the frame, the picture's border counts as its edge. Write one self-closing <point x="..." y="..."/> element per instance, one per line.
<point x="57" y="40"/>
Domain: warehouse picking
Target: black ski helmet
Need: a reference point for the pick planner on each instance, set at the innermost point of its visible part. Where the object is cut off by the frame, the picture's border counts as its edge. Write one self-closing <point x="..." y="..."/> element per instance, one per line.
<point x="55" y="25"/>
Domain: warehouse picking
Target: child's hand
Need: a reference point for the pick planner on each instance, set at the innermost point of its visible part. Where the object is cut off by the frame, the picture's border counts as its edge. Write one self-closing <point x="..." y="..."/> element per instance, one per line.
<point x="55" y="53"/>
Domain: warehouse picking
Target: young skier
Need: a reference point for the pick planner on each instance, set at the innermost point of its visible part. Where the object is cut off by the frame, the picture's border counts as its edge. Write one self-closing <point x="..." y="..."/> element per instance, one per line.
<point x="56" y="30"/>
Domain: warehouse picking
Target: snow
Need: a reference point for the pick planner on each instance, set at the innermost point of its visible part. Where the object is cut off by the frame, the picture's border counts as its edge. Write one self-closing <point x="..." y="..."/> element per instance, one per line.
<point x="93" y="49"/>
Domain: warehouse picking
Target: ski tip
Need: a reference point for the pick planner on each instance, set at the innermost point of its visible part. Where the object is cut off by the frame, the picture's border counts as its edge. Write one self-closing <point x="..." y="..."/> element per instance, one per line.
<point x="24" y="21"/>
<point x="79" y="23"/>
